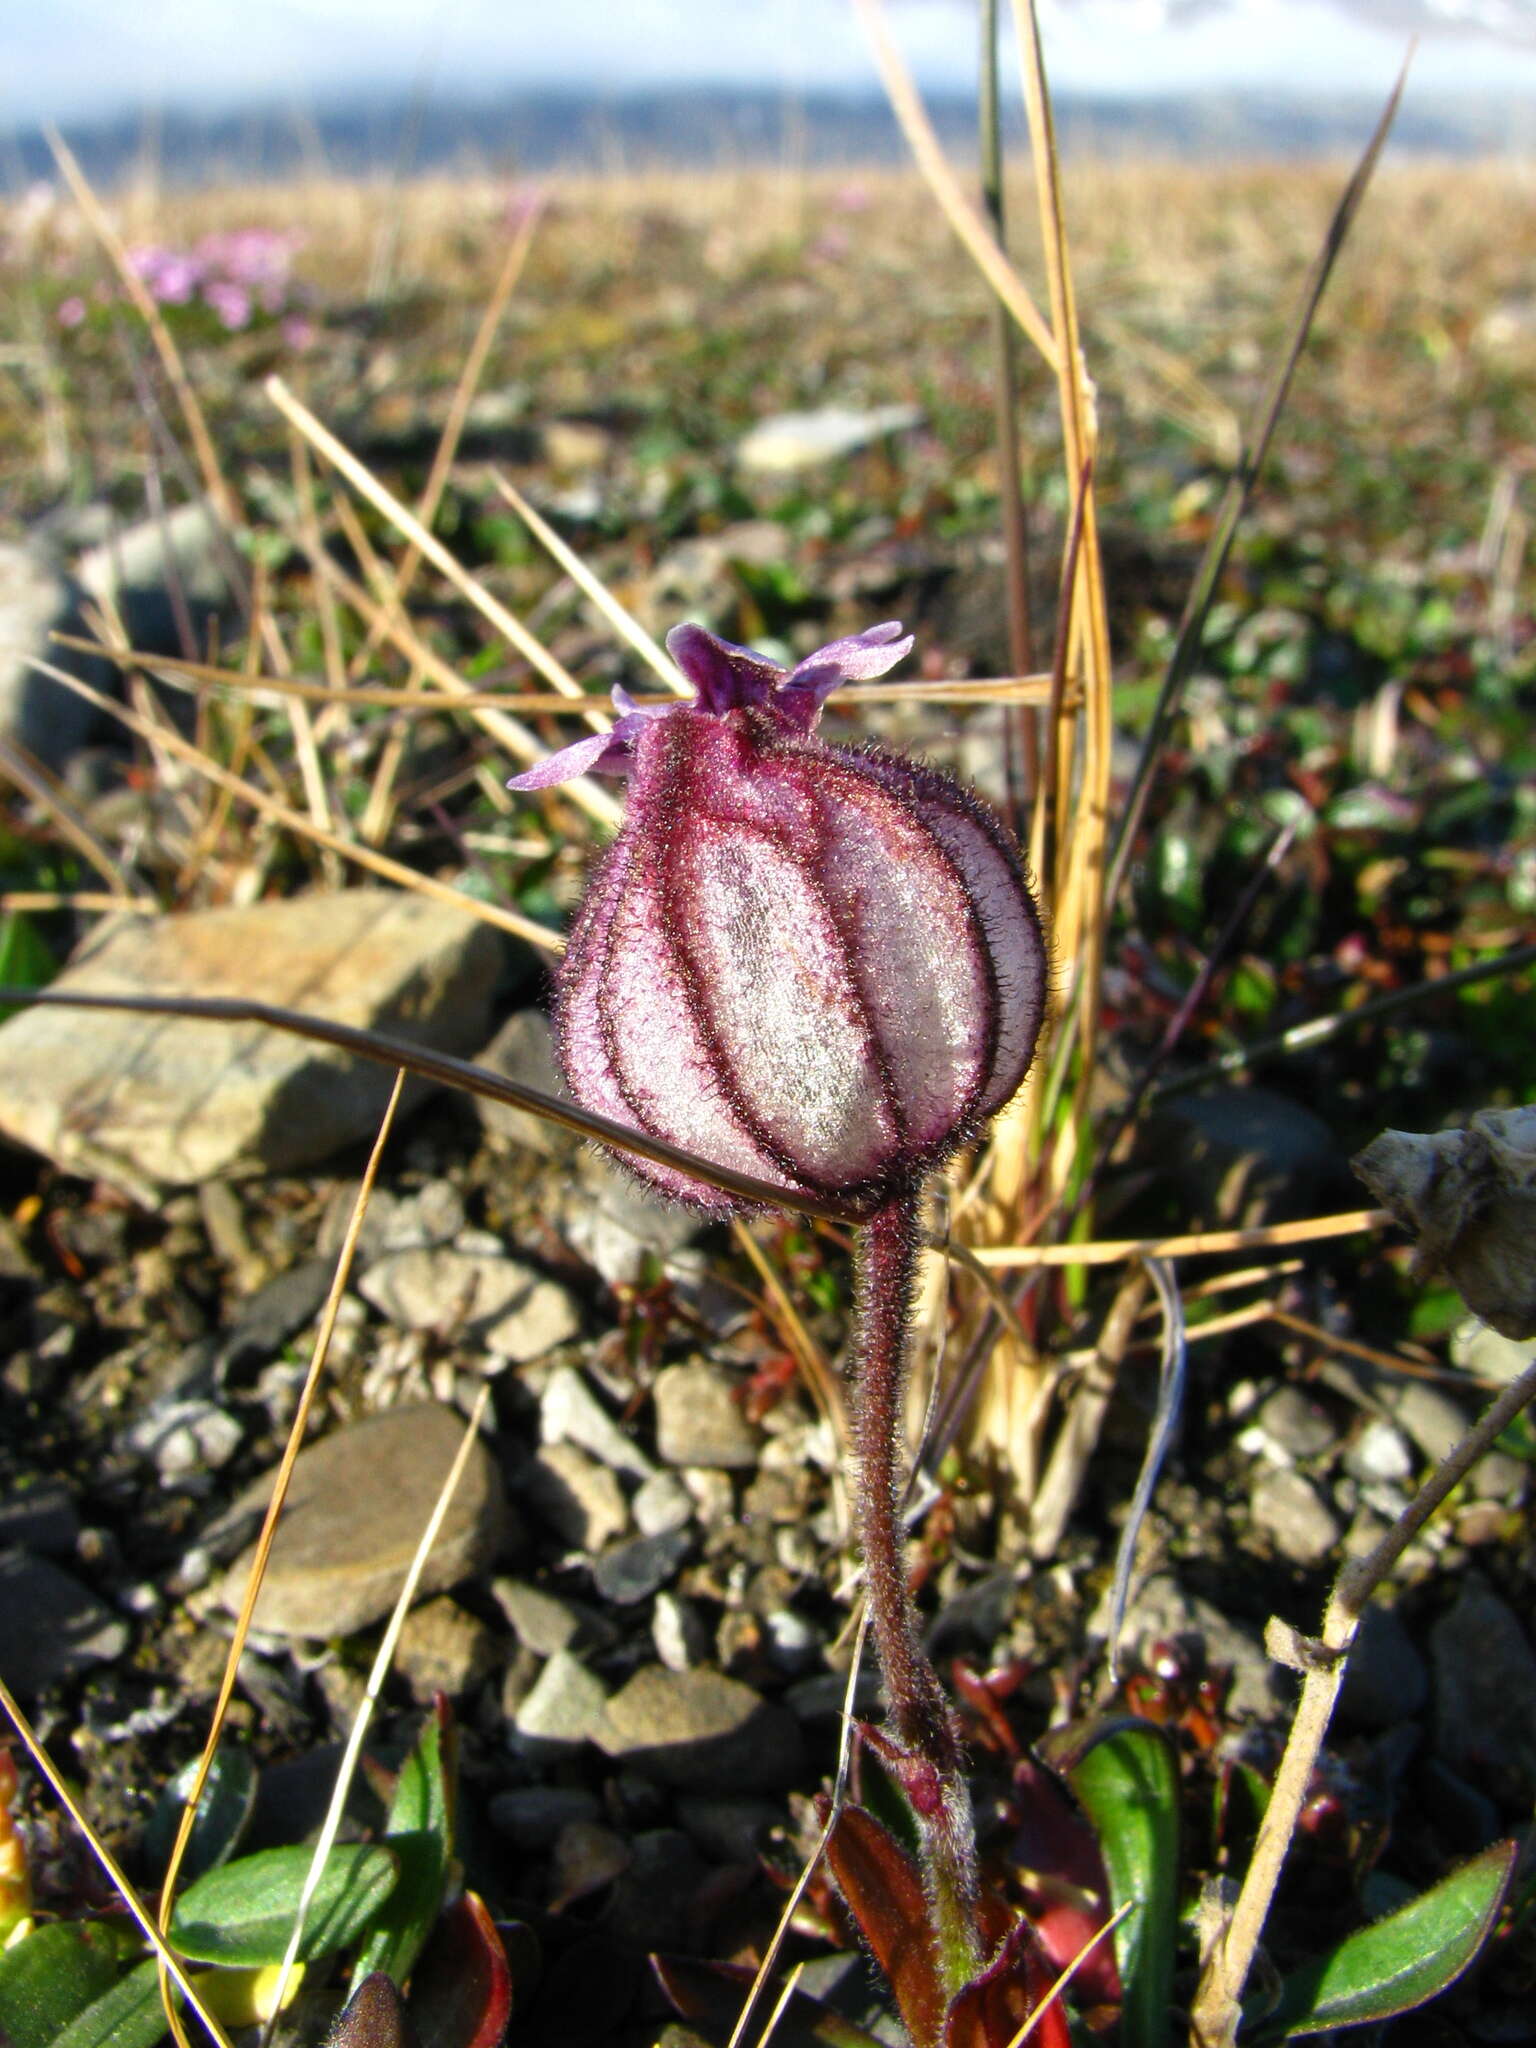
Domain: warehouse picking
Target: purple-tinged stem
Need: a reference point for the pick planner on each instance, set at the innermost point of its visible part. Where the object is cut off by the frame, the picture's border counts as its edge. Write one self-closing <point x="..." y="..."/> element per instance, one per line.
<point x="930" y="1769"/>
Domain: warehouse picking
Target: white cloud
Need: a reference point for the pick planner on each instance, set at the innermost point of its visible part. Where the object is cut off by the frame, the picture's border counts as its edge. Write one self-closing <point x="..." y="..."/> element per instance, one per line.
<point x="79" y="56"/>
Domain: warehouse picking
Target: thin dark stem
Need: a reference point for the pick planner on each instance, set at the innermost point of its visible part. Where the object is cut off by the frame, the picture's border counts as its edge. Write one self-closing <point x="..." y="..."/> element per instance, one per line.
<point x="885" y="1263"/>
<point x="927" y="1760"/>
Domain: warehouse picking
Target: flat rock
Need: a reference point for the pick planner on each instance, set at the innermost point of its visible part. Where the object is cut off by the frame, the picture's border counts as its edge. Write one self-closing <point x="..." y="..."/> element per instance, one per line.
<point x="356" y="1507"/>
<point x="533" y="1815"/>
<point x="41" y="1517"/>
<point x="699" y="1731"/>
<point x="617" y="1225"/>
<point x="38" y="599"/>
<point x="50" y="1625"/>
<point x="662" y="1504"/>
<point x="1294" y="1426"/>
<point x="184" y="1440"/>
<point x="699" y="1421"/>
<point x="146" y="1102"/>
<point x="544" y="1623"/>
<point x="1433" y="1420"/>
<point x="1246" y="1155"/>
<point x="512" y="1309"/>
<point x="1485" y="1694"/>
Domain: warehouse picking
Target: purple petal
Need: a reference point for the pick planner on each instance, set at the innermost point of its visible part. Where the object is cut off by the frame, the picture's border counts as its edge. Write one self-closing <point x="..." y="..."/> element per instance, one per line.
<point x="600" y="753"/>
<point x="858" y="659"/>
<point x="726" y="676"/>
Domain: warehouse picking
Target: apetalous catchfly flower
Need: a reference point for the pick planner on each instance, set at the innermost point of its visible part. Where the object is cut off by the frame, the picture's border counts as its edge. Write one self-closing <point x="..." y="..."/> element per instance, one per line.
<point x="818" y="965"/>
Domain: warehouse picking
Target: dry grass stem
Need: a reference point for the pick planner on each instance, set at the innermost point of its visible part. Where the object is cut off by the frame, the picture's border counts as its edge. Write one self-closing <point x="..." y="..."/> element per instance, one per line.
<point x="1111" y="1251"/>
<point x="967" y="221"/>
<point x="268" y="1532"/>
<point x="294" y="821"/>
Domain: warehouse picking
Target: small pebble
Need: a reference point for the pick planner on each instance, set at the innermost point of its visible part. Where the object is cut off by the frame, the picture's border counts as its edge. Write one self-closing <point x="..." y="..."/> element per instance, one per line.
<point x="1290" y="1511"/>
<point x="661" y="1505"/>
<point x="678" y="1632"/>
<point x="633" y="1571"/>
<point x="1380" y="1452"/>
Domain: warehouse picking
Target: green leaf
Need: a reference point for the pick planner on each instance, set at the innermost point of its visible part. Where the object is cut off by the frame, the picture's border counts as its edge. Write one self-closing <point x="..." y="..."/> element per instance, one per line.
<point x="243" y="1913"/>
<point x="1125" y="1776"/>
<point x="420" y="1832"/>
<point x="47" y="1978"/>
<point x="222" y="1813"/>
<point x="130" y="2015"/>
<point x="1401" y="1961"/>
<point x="25" y="960"/>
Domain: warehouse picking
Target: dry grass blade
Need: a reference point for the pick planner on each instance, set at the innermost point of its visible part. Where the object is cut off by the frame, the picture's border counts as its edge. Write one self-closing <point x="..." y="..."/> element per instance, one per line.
<point x="1077" y="1962"/>
<point x="1079" y="909"/>
<point x="522" y="743"/>
<point x="282" y="814"/>
<point x="362" y="480"/>
<point x="379" y="1670"/>
<point x="57" y="1783"/>
<point x="969" y="225"/>
<point x="623" y="623"/>
<point x="1234" y="503"/>
<point x="170" y="356"/>
<point x="1171" y="1376"/>
<point x="268" y="1534"/>
<point x="1111" y="1251"/>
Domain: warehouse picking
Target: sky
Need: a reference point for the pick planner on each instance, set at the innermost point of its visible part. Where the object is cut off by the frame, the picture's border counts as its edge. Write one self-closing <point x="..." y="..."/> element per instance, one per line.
<point x="75" y="59"/>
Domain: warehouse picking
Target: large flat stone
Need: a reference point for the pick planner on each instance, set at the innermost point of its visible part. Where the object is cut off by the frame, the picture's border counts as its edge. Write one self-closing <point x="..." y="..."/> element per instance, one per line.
<point x="357" y="1504"/>
<point x="149" y="1102"/>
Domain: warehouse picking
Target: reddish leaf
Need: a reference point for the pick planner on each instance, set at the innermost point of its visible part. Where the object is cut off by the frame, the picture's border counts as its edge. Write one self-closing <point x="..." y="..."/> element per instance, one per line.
<point x="989" y="2012"/>
<point x="880" y="1881"/>
<point x="1061" y="1874"/>
<point x="461" y="1991"/>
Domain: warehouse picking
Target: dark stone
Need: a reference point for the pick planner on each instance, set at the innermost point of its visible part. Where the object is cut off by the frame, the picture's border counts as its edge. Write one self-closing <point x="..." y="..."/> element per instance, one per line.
<point x="273" y="1314"/>
<point x="50" y="1625"/>
<point x="633" y="1571"/>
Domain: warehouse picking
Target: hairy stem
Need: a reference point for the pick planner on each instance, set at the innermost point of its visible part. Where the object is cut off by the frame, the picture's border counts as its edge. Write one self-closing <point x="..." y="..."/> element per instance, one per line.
<point x="931" y="1773"/>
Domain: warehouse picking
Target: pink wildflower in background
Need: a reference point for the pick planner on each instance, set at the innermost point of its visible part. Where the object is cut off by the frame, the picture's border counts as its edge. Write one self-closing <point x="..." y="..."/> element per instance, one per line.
<point x="71" y="310"/>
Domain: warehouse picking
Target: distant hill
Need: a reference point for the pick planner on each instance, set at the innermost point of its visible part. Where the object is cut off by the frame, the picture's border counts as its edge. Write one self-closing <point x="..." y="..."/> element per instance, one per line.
<point x="531" y="132"/>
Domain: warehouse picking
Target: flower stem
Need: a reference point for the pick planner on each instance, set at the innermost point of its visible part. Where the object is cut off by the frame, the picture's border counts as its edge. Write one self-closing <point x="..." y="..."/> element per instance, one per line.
<point x="885" y="1265"/>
